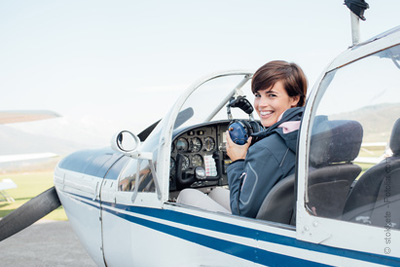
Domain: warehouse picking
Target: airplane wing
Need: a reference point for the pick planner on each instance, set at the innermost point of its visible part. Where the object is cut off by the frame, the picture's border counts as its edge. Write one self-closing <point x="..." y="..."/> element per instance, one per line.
<point x="7" y="184"/>
<point x="14" y="116"/>
<point x="368" y="160"/>
<point x="25" y="115"/>
<point x="22" y="157"/>
<point x="370" y="153"/>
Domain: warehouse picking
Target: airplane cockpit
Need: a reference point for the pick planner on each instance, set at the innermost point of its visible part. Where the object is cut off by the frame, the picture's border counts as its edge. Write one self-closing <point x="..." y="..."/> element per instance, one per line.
<point x="198" y="156"/>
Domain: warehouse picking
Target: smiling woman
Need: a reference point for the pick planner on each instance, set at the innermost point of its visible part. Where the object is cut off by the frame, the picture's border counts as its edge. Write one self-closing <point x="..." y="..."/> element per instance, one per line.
<point x="280" y="89"/>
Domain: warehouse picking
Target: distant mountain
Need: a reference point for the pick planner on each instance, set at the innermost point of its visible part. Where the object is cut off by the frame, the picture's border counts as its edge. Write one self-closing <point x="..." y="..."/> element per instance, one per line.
<point x="377" y="121"/>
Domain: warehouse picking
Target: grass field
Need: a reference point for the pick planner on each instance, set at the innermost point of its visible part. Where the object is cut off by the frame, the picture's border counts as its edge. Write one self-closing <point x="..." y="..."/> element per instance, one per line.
<point x="29" y="185"/>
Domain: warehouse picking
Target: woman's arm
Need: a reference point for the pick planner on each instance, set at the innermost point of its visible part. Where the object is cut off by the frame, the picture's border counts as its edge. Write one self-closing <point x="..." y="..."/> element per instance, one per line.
<point x="252" y="179"/>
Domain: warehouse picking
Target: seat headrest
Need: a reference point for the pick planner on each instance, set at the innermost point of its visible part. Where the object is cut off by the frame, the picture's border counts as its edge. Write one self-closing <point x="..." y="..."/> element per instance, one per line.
<point x="395" y="138"/>
<point x="335" y="141"/>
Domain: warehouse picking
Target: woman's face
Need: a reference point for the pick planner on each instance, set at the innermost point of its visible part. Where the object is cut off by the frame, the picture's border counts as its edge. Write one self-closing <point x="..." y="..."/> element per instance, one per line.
<point x="270" y="103"/>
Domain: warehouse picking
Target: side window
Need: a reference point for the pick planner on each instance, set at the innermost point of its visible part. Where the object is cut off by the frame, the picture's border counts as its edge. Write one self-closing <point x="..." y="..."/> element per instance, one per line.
<point x="128" y="180"/>
<point x="354" y="159"/>
<point x="115" y="169"/>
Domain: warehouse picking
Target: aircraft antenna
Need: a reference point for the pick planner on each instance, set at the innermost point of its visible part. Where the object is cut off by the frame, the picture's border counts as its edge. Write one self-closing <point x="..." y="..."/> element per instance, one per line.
<point x="357" y="8"/>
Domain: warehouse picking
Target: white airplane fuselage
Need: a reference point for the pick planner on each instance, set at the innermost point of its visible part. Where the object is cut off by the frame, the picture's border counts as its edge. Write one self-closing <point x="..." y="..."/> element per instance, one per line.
<point x="122" y="234"/>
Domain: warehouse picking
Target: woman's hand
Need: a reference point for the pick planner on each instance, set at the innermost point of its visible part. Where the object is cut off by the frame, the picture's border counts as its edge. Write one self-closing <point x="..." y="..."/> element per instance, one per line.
<point x="235" y="151"/>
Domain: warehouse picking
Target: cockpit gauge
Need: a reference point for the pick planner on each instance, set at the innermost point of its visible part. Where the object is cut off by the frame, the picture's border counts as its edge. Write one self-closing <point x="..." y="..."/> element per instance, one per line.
<point x="195" y="144"/>
<point x="182" y="144"/>
<point x="209" y="144"/>
<point x="197" y="161"/>
<point x="185" y="163"/>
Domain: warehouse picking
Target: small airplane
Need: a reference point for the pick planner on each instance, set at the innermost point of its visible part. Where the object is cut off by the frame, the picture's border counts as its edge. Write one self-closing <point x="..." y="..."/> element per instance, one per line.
<point x="121" y="201"/>
<point x="371" y="149"/>
<point x="4" y="185"/>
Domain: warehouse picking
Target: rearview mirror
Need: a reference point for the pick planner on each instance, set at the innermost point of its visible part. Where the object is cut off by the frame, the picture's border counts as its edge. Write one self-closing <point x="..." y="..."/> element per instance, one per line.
<point x="125" y="142"/>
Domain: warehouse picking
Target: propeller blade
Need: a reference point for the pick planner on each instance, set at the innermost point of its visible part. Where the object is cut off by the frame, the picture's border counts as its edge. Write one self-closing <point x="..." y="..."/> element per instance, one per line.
<point x="29" y="213"/>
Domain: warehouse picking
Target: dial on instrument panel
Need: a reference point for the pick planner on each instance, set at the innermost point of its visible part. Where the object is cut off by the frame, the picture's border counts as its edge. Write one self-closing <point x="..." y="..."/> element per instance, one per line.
<point x="182" y="144"/>
<point x="195" y="144"/>
<point x="197" y="161"/>
<point x="209" y="143"/>
<point x="185" y="163"/>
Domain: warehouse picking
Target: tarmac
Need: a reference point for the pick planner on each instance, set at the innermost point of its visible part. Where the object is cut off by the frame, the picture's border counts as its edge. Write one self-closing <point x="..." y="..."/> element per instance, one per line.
<point x="45" y="243"/>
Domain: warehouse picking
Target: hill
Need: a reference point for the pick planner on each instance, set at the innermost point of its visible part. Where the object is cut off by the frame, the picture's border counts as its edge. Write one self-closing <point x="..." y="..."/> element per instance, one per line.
<point x="377" y="120"/>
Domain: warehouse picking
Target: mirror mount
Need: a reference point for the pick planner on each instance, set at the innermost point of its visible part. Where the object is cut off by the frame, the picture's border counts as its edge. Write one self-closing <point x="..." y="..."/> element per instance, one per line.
<point x="128" y="143"/>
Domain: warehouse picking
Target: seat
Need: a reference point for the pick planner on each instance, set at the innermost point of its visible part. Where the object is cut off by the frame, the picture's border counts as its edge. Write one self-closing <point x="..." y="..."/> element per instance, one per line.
<point x="278" y="205"/>
<point x="334" y="145"/>
<point x="375" y="198"/>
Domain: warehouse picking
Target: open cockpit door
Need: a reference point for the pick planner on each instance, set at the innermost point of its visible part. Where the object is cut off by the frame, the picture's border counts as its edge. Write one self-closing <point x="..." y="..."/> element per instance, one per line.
<point x="342" y="201"/>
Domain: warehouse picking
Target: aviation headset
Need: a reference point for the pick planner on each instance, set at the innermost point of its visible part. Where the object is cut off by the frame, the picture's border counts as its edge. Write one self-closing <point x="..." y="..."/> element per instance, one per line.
<point x="241" y="130"/>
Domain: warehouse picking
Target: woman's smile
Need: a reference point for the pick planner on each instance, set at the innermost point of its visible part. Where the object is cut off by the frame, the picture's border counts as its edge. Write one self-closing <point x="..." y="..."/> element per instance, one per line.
<point x="270" y="103"/>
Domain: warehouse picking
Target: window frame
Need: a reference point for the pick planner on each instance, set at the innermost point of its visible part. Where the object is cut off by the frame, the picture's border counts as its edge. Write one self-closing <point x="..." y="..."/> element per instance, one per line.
<point x="326" y="231"/>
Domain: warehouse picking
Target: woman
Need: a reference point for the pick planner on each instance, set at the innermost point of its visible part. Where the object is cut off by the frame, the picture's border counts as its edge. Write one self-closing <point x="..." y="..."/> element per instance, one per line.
<point x="280" y="89"/>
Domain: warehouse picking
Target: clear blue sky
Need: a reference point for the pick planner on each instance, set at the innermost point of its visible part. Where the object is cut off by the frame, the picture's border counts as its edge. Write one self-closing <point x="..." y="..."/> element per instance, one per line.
<point x="122" y="63"/>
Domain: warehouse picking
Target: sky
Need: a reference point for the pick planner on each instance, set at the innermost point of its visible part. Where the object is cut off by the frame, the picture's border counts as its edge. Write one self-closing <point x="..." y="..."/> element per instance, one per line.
<point x="111" y="65"/>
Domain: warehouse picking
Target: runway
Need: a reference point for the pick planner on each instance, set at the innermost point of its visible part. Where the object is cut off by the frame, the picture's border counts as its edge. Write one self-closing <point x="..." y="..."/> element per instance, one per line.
<point x="45" y="243"/>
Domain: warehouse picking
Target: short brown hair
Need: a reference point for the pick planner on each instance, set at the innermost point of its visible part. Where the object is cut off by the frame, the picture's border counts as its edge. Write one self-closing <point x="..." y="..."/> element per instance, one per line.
<point x="290" y="74"/>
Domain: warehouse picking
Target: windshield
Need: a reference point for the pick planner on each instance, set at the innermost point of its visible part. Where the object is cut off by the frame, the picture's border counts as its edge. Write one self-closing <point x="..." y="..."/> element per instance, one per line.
<point x="208" y="100"/>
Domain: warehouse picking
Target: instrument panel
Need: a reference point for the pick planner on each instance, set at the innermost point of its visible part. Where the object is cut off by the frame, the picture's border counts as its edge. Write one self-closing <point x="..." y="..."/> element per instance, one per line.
<point x="198" y="156"/>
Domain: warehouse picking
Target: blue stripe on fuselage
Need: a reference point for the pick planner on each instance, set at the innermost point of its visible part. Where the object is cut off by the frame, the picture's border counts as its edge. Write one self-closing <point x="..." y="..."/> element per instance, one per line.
<point x="242" y="251"/>
<point x="240" y="231"/>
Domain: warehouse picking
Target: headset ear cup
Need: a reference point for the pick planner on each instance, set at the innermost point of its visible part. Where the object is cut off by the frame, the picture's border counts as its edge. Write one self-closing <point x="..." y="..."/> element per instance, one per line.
<point x="239" y="131"/>
<point x="247" y="126"/>
<point x="255" y="127"/>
